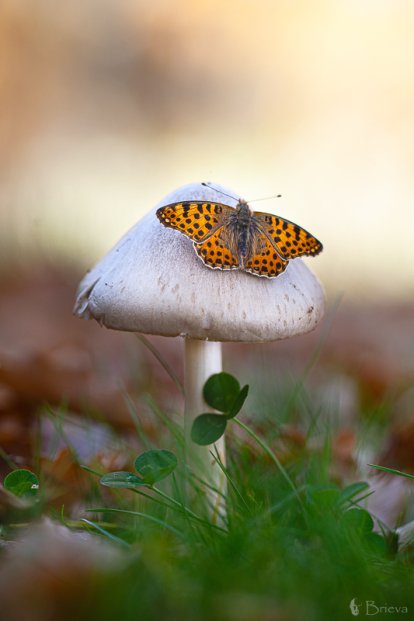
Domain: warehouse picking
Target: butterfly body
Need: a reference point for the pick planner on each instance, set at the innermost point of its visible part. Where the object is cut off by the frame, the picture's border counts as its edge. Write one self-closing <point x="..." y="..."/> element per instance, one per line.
<point x="230" y="238"/>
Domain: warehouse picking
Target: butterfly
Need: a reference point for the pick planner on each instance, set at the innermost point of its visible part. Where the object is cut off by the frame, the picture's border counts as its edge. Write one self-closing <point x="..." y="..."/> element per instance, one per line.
<point x="229" y="238"/>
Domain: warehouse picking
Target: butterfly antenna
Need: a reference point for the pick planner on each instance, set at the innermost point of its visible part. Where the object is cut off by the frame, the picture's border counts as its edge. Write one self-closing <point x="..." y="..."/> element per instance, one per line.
<point x="266" y="198"/>
<point x="208" y="185"/>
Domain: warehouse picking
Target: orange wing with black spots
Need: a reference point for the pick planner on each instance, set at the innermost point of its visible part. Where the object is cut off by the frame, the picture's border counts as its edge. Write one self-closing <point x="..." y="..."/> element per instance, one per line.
<point x="196" y="219"/>
<point x="290" y="240"/>
<point x="267" y="261"/>
<point x="215" y="254"/>
<point x="215" y="228"/>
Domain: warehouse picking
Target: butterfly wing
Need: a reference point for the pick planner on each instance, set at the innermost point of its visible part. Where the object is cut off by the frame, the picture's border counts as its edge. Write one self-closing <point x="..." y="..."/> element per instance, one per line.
<point x="196" y="219"/>
<point x="289" y="239"/>
<point x="215" y="253"/>
<point x="266" y="261"/>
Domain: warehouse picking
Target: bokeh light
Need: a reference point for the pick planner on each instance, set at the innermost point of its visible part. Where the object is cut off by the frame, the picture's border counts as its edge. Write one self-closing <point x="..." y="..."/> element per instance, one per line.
<point x="106" y="107"/>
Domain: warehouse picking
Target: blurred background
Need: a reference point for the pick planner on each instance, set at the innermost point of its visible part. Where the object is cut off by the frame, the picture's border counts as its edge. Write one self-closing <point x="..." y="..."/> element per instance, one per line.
<point x="107" y="106"/>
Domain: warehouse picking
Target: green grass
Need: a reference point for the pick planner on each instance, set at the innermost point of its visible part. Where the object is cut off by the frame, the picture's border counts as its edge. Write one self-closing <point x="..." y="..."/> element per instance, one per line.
<point x="295" y="544"/>
<point x="279" y="558"/>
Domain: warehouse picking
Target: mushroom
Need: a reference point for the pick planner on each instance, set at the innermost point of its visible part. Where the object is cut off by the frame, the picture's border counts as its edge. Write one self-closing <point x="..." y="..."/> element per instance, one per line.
<point x="153" y="282"/>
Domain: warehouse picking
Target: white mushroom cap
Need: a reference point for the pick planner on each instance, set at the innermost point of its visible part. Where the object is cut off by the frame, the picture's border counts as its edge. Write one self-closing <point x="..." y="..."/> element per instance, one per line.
<point x="153" y="282"/>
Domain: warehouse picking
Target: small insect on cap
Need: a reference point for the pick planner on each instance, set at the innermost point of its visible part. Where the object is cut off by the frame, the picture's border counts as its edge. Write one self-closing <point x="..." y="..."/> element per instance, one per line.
<point x="153" y="282"/>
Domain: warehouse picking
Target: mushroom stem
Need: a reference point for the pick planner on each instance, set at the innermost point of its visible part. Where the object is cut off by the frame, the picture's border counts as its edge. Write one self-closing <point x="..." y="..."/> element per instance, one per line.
<point x="202" y="359"/>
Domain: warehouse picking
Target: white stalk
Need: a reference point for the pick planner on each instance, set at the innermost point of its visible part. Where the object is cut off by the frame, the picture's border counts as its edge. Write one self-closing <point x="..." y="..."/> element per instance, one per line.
<point x="202" y="359"/>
